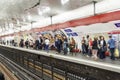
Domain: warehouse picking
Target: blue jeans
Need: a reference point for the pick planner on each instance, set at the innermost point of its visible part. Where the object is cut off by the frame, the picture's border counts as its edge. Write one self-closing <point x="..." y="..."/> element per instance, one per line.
<point x="59" y="48"/>
<point x="112" y="50"/>
<point x="47" y="48"/>
<point x="83" y="49"/>
<point x="89" y="52"/>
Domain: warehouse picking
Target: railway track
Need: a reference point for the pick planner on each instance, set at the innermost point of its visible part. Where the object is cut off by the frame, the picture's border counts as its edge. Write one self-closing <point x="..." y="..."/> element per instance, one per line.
<point x="7" y="74"/>
<point x="26" y="73"/>
<point x="17" y="70"/>
<point x="32" y="68"/>
<point x="13" y="68"/>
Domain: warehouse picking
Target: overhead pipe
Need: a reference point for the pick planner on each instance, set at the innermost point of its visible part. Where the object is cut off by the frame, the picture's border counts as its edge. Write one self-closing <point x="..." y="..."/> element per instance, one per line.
<point x="94" y="7"/>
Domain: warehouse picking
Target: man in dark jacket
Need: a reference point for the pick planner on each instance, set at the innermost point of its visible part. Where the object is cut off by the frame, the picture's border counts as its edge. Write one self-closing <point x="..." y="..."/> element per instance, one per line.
<point x="36" y="44"/>
<point x="59" y="45"/>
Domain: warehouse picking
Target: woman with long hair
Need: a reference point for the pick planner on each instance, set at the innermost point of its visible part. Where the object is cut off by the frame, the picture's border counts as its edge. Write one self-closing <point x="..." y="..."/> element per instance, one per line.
<point x="103" y="47"/>
<point x="95" y="48"/>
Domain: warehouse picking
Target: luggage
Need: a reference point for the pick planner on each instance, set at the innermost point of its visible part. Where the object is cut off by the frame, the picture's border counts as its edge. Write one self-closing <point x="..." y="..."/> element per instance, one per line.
<point x="107" y="53"/>
<point x="76" y="50"/>
<point x="52" y="47"/>
<point x="116" y="53"/>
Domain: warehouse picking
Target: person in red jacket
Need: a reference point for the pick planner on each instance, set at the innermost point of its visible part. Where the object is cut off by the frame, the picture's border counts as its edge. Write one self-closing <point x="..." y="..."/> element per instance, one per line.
<point x="90" y="43"/>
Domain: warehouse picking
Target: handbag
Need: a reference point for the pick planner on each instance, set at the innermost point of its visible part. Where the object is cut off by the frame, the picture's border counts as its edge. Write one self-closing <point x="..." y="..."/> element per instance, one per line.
<point x="104" y="49"/>
<point x="107" y="53"/>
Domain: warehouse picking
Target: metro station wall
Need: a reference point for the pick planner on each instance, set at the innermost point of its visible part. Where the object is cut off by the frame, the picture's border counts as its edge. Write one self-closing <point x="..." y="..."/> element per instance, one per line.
<point x="76" y="32"/>
<point x="94" y="30"/>
<point x="101" y="7"/>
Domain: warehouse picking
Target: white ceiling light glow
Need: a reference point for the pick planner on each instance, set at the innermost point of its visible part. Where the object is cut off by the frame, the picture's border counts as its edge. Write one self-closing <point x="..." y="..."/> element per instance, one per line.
<point x="43" y="9"/>
<point x="10" y="31"/>
<point x="11" y="25"/>
<point x="29" y="17"/>
<point x="7" y="28"/>
<point x="40" y="12"/>
<point x="0" y="30"/>
<point x="64" y="1"/>
<point x="23" y="18"/>
<point x="18" y="22"/>
<point x="46" y="9"/>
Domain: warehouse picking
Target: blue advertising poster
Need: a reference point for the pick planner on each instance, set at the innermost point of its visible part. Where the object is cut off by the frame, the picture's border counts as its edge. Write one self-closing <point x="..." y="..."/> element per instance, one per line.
<point x="117" y="24"/>
<point x="68" y="30"/>
<point x="72" y="34"/>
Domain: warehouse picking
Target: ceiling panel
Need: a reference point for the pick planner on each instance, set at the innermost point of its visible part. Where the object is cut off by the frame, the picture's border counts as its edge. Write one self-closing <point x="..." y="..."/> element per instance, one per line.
<point x="13" y="10"/>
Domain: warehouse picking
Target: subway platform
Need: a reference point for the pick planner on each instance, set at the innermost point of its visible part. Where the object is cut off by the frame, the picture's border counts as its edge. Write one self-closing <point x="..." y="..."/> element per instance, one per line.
<point x="52" y="66"/>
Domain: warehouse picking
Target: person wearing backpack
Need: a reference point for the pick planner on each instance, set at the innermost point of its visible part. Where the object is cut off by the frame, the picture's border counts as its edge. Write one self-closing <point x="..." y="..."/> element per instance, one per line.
<point x="111" y="46"/>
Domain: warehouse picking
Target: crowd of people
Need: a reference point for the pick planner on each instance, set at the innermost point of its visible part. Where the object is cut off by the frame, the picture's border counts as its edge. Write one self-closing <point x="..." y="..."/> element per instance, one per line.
<point x="94" y="48"/>
<point x="98" y="47"/>
<point x="58" y="43"/>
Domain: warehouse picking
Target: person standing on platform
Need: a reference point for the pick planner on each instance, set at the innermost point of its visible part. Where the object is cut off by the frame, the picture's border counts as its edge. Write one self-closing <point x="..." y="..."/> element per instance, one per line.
<point x="40" y="42"/>
<point x="59" y="45"/>
<point x="103" y="48"/>
<point x="95" y="49"/>
<point x="47" y="42"/>
<point x="7" y="42"/>
<point x="27" y="43"/>
<point x="72" y="45"/>
<point x="31" y="43"/>
<point x="65" y="45"/>
<point x="21" y="44"/>
<point x="90" y="43"/>
<point x="56" y="40"/>
<point x="13" y="42"/>
<point x="112" y="46"/>
<point x="83" y="45"/>
<point x="87" y="44"/>
<point x="36" y="44"/>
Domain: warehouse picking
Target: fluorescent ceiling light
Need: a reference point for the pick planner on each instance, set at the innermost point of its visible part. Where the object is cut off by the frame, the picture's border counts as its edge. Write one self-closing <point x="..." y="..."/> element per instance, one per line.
<point x="64" y="1"/>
